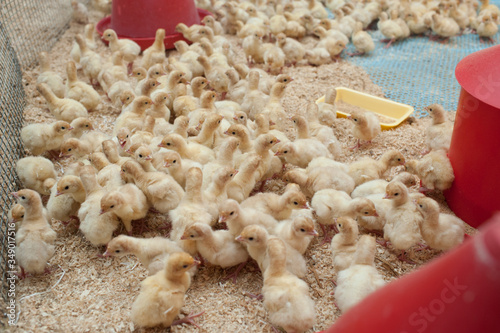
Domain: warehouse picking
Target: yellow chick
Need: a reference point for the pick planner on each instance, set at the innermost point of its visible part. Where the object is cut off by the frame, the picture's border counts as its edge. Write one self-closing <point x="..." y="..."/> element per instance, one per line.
<point x="152" y="253"/>
<point x="278" y="206"/>
<point x="256" y="238"/>
<point x="302" y="151"/>
<point x="208" y="133"/>
<point x="216" y="190"/>
<point x="362" y="41"/>
<point x="318" y="56"/>
<point x="366" y="126"/>
<point x="440" y="231"/>
<point x="378" y="186"/>
<point x="434" y="170"/>
<point x="390" y="29"/>
<point x="415" y="22"/>
<point x="63" y="208"/>
<point x="39" y="138"/>
<point x="274" y="109"/>
<point x="442" y="26"/>
<point x="89" y="40"/>
<point x="51" y="78"/>
<point x="61" y="108"/>
<point x="243" y="182"/>
<point x="177" y="167"/>
<point x="133" y="119"/>
<point x="155" y="54"/>
<point x="361" y="278"/>
<point x="35" y="238"/>
<point x="298" y="233"/>
<point x="162" y="295"/>
<point x="274" y="58"/>
<point x="129" y="49"/>
<point x="237" y="217"/>
<point x="330" y="204"/>
<point x="314" y="128"/>
<point x="143" y="155"/>
<point x="80" y="126"/>
<point x="89" y="60"/>
<point x="87" y="144"/>
<point x="161" y="190"/>
<point x="367" y="169"/>
<point x="191" y="209"/>
<point x="293" y="49"/>
<point x="72" y="185"/>
<point x="15" y="214"/>
<point x="216" y="75"/>
<point x="80" y="12"/>
<point x="255" y="100"/>
<point x="108" y="175"/>
<point x="127" y="202"/>
<point x="98" y="229"/>
<point x="401" y="227"/>
<point x="343" y="245"/>
<point x="438" y="135"/>
<point x="80" y="91"/>
<point x="286" y="297"/>
<point x="217" y="247"/>
<point x="191" y="150"/>
<point x="36" y="173"/>
<point x="333" y="45"/>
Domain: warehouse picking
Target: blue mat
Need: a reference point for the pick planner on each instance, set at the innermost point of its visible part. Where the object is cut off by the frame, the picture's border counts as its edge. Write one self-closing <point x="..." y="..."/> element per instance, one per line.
<point x="417" y="71"/>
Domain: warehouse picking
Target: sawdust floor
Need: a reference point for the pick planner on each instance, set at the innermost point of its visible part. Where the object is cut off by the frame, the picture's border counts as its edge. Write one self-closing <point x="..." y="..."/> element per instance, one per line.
<point x="95" y="294"/>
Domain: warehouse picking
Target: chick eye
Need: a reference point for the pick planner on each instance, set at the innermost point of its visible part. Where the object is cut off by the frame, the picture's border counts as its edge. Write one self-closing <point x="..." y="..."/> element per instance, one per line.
<point x="232" y="213"/>
<point x="86" y="125"/>
<point x="285" y="152"/>
<point x="113" y="206"/>
<point x="234" y="133"/>
<point x="185" y="266"/>
<point x="157" y="73"/>
<point x="127" y="136"/>
<point x="251" y="238"/>
<point x="174" y="161"/>
<point x="140" y="155"/>
<point x="218" y="122"/>
<point x="168" y="144"/>
<point x="340" y="225"/>
<point x="23" y="197"/>
<point x="421" y="206"/>
<point x="295" y="203"/>
<point x="272" y="141"/>
<point x="366" y="213"/>
<point x="63" y="127"/>
<point x="430" y="109"/>
<point x="396" y="194"/>
<point x="69" y="149"/>
<point x="192" y="236"/>
<point x="242" y="117"/>
<point x="302" y="229"/>
<point x="66" y="188"/>
<point x="399" y="160"/>
<point x="117" y="251"/>
<point x="355" y="119"/>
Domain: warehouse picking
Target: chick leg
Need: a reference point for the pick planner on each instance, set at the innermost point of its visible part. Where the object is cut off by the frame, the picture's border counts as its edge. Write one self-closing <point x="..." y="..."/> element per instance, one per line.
<point x="392" y="40"/>
<point x="234" y="275"/>
<point x="188" y="319"/>
<point x="326" y="237"/>
<point x="130" y="65"/>
<point x="383" y="242"/>
<point x="356" y="146"/>
<point x="258" y="297"/>
<point x="357" y="53"/>
<point x="23" y="275"/>
<point x="404" y="258"/>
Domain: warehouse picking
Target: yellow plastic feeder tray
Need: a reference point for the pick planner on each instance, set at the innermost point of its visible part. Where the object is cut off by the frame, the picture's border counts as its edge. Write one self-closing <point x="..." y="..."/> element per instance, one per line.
<point x="385" y="108"/>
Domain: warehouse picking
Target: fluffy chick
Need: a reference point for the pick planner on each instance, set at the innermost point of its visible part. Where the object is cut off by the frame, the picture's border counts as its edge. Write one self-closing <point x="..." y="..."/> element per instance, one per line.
<point x="39" y="138"/>
<point x="302" y="151"/>
<point x="367" y="169"/>
<point x="298" y="233"/>
<point x="378" y="186"/>
<point x="440" y="231"/>
<point x="36" y="173"/>
<point x="191" y="150"/>
<point x="343" y="244"/>
<point x="286" y="297"/>
<point x="35" y="238"/>
<point x="434" y="170"/>
<point x="361" y="278"/>
<point x="438" y="135"/>
<point x="217" y="247"/>
<point x="366" y="126"/>
<point x="151" y="252"/>
<point x="62" y="108"/>
<point x="162" y="295"/>
<point x="237" y="218"/>
<point x="127" y="202"/>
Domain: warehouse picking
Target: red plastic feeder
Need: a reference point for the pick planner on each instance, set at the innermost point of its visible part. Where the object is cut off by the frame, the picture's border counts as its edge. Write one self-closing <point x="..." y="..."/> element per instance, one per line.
<point x="139" y="20"/>
<point x="457" y="292"/>
<point x="474" y="151"/>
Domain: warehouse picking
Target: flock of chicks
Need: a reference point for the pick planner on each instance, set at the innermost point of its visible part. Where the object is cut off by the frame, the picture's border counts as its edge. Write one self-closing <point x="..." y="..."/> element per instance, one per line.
<point x="176" y="150"/>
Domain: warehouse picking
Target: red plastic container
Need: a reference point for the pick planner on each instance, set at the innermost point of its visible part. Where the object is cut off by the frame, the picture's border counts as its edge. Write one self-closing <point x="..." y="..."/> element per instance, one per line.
<point x="474" y="151"/>
<point x="457" y="293"/>
<point x="138" y="20"/>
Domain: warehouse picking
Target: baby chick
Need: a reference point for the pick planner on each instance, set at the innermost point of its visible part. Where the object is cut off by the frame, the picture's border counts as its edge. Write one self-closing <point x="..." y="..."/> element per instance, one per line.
<point x="242" y="184"/>
<point x="127" y="202"/>
<point x="161" y="190"/>
<point x="343" y="244"/>
<point x="286" y="297"/>
<point x="401" y="227"/>
<point x="366" y="126"/>
<point x="80" y="91"/>
<point x="36" y="173"/>
<point x="237" y="218"/>
<point x="298" y="233"/>
<point x="302" y="151"/>
<point x="35" y="238"/>
<point x="362" y="41"/>
<point x="191" y="150"/>
<point x="51" y="78"/>
<point x="440" y="231"/>
<point x="361" y="278"/>
<point x="256" y="238"/>
<point x="367" y="169"/>
<point x="129" y="49"/>
<point x="151" y="252"/>
<point x="217" y="247"/>
<point x="162" y="295"/>
<point x="319" y="178"/>
<point x="378" y="186"/>
<point x="155" y="54"/>
<point x="39" y="138"/>
<point x="434" y="170"/>
<point x="62" y="108"/>
<point x="438" y="135"/>
<point x="278" y="206"/>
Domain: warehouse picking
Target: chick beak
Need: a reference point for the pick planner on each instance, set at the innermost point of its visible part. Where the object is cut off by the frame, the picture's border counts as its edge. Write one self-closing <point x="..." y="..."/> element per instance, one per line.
<point x="235" y="118"/>
<point x="70" y="128"/>
<point x="240" y="239"/>
<point x="102" y="212"/>
<point x="161" y="145"/>
<point x="402" y="163"/>
<point x="305" y="206"/>
<point x="278" y="141"/>
<point x="387" y="196"/>
<point x="375" y="214"/>
<point x="61" y="154"/>
<point x="123" y="143"/>
<point x="167" y="164"/>
<point x="291" y="79"/>
<point x="271" y="123"/>
<point x="183" y="237"/>
<point x="15" y="195"/>
<point x="222" y="218"/>
<point x="58" y="193"/>
<point x="335" y="228"/>
<point x="106" y="254"/>
<point x="148" y="158"/>
<point x="349" y="117"/>
<point x="278" y="153"/>
<point x="196" y="262"/>
<point x="226" y="132"/>
<point x="313" y="233"/>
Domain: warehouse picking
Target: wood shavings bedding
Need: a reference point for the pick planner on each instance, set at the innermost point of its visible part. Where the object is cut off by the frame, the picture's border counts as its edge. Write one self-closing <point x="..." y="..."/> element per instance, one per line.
<point x="96" y="294"/>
